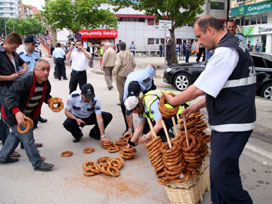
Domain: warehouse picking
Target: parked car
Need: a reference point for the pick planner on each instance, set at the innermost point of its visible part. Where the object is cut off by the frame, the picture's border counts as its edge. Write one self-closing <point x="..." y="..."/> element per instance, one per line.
<point x="181" y="76"/>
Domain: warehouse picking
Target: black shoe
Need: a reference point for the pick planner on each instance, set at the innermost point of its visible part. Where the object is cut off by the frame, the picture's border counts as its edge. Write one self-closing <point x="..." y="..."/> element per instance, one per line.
<point x="44" y="167"/>
<point x="94" y="134"/>
<point x="9" y="160"/>
<point x="65" y="79"/>
<point x="42" y="120"/>
<point x="110" y="88"/>
<point x="76" y="140"/>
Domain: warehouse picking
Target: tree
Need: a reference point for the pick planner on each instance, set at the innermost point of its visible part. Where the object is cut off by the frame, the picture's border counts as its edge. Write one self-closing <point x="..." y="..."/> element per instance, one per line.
<point x="3" y="20"/>
<point x="78" y="15"/>
<point x="25" y="26"/>
<point x="180" y="12"/>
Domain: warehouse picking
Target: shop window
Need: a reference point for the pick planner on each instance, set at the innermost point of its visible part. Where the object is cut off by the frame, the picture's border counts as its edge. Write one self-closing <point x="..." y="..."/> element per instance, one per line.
<point x="217" y="5"/>
<point x="150" y="22"/>
<point x="150" y="41"/>
<point x="141" y="20"/>
<point x="238" y="21"/>
<point x="259" y="19"/>
<point x="179" y="41"/>
<point x="264" y="19"/>
<point x="157" y="41"/>
<point x="247" y="21"/>
<point x="253" y="20"/>
<point x="162" y="40"/>
<point x="156" y="22"/>
<point x="120" y="19"/>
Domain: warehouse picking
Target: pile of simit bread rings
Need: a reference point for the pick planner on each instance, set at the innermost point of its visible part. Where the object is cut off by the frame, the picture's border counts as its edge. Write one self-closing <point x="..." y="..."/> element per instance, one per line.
<point x="183" y="160"/>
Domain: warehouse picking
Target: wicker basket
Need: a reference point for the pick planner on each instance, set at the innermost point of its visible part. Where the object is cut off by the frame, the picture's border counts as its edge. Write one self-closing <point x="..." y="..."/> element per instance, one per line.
<point x="190" y="191"/>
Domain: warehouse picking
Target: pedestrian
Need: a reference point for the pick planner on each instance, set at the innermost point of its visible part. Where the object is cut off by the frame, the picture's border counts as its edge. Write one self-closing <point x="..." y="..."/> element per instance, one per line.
<point x="184" y="48"/>
<point x="230" y="105"/>
<point x="188" y="51"/>
<point x="117" y="46"/>
<point x="169" y="50"/>
<point x="108" y="64"/>
<point x="124" y="64"/>
<point x="147" y="106"/>
<point x="90" y="49"/>
<point x="140" y="81"/>
<point x="234" y="29"/>
<point x="84" y="108"/>
<point x="249" y="46"/>
<point x="30" y="56"/>
<point x="161" y="48"/>
<point x="258" y="46"/>
<point x="9" y="71"/>
<point x="132" y="48"/>
<point x="59" y="56"/>
<point x="201" y="51"/>
<point x="79" y="59"/>
<point x="25" y="98"/>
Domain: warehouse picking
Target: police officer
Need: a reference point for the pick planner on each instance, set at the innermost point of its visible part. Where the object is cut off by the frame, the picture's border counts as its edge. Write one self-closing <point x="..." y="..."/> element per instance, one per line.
<point x="84" y="108"/>
<point x="31" y="56"/>
<point x="147" y="106"/>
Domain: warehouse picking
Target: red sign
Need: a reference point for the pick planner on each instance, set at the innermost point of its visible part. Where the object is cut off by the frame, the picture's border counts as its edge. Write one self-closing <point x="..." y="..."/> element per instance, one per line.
<point x="98" y="33"/>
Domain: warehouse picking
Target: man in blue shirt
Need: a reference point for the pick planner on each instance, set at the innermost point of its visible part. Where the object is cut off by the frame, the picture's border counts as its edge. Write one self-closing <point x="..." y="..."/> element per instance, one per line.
<point x="30" y="56"/>
<point x="59" y="55"/>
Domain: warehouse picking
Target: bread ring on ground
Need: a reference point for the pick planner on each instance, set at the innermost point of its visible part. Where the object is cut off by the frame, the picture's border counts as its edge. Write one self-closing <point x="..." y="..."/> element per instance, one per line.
<point x="95" y="168"/>
<point x="102" y="159"/>
<point x="67" y="154"/>
<point x="56" y="101"/>
<point x="113" y="149"/>
<point x="88" y="164"/>
<point x="113" y="171"/>
<point x="88" y="150"/>
<point x="28" y="124"/>
<point x="89" y="172"/>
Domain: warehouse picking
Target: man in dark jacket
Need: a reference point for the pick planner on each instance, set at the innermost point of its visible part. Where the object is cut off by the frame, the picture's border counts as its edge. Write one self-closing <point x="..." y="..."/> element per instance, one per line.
<point x="25" y="98"/>
<point x="169" y="50"/>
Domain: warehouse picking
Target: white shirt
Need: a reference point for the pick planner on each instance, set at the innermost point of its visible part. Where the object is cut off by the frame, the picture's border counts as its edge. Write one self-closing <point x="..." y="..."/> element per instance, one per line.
<point x="58" y="53"/>
<point x="217" y="71"/>
<point x="79" y="61"/>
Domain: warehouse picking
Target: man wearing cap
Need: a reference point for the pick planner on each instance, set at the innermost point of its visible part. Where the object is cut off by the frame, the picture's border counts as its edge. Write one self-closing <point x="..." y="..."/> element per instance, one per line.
<point x="147" y="106"/>
<point x="9" y="71"/>
<point x="31" y="56"/>
<point x="169" y="50"/>
<point x="137" y="82"/>
<point x="84" y="108"/>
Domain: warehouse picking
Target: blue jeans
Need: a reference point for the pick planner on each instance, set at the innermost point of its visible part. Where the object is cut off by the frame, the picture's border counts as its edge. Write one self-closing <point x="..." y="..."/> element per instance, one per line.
<point x="4" y="128"/>
<point x="29" y="144"/>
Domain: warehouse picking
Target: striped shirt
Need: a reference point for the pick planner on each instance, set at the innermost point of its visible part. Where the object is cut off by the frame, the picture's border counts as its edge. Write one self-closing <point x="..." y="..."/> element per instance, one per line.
<point x="34" y="101"/>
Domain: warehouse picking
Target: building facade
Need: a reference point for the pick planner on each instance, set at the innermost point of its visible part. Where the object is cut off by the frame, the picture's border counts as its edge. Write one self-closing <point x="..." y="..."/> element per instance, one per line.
<point x="255" y="19"/>
<point x="9" y="8"/>
<point x="145" y="31"/>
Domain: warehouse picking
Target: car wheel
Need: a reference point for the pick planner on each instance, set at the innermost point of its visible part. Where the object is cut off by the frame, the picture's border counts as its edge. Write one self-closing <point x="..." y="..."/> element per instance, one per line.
<point x="182" y="81"/>
<point x="267" y="91"/>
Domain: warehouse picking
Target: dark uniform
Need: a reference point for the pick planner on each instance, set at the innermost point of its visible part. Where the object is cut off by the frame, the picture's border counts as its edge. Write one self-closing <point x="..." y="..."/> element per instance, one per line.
<point x="232" y="116"/>
<point x="86" y="112"/>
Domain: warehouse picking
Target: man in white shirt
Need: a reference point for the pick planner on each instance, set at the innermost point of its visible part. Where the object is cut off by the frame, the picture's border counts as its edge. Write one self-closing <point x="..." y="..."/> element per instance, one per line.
<point x="79" y="60"/>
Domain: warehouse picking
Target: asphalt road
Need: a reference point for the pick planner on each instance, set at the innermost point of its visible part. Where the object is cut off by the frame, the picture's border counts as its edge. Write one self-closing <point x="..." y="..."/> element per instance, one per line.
<point x="137" y="183"/>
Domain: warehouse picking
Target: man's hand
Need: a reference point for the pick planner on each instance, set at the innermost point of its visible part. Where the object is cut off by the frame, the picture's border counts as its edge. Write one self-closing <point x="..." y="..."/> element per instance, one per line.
<point x="21" y="72"/>
<point x="144" y="139"/>
<point x="189" y="110"/>
<point x="104" y="140"/>
<point x="13" y="76"/>
<point x="128" y="133"/>
<point x="79" y="122"/>
<point x="20" y="118"/>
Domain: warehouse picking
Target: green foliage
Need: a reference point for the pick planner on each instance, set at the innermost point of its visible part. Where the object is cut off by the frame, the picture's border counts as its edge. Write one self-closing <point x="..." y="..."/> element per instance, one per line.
<point x="25" y="26"/>
<point x="78" y="15"/>
<point x="2" y="26"/>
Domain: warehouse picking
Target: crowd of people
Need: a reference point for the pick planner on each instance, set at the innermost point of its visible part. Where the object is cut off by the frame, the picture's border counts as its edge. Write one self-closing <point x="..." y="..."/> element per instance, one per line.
<point x="24" y="87"/>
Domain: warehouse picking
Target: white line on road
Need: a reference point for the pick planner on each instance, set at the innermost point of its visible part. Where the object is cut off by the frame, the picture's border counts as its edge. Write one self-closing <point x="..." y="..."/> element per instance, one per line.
<point x="258" y="154"/>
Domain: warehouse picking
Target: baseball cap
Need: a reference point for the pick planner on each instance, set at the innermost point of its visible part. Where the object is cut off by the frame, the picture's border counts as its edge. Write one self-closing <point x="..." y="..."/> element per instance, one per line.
<point x="29" y="39"/>
<point x="130" y="103"/>
<point x="88" y="91"/>
<point x="134" y="88"/>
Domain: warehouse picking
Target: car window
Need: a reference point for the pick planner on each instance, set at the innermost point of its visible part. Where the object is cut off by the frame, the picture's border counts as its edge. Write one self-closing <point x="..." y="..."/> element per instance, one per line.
<point x="268" y="63"/>
<point x="258" y="61"/>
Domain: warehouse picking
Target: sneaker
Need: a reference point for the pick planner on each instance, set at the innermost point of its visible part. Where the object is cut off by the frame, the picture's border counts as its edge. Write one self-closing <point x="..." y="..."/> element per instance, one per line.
<point x="42" y="120"/>
<point x="9" y="160"/>
<point x="44" y="167"/>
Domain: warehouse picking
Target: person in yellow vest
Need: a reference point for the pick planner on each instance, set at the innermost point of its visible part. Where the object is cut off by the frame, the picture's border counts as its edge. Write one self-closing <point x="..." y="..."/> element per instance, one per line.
<point x="147" y="106"/>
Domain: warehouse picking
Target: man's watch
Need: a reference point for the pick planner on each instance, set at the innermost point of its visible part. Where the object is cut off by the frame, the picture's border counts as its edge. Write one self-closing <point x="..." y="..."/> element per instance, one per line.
<point x="103" y="136"/>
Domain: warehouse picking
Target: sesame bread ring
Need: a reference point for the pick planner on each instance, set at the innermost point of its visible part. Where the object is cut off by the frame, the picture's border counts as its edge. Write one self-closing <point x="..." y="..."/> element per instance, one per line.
<point x="28" y="124"/>
<point x="88" y="150"/>
<point x="67" y="154"/>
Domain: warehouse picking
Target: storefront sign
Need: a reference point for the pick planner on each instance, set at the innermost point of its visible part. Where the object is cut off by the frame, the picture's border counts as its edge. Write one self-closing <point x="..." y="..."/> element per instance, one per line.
<point x="98" y="33"/>
<point x="243" y="9"/>
<point x="257" y="30"/>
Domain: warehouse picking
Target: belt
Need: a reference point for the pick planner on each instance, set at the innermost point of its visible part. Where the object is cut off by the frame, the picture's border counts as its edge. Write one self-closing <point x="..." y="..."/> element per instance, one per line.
<point x="77" y="72"/>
